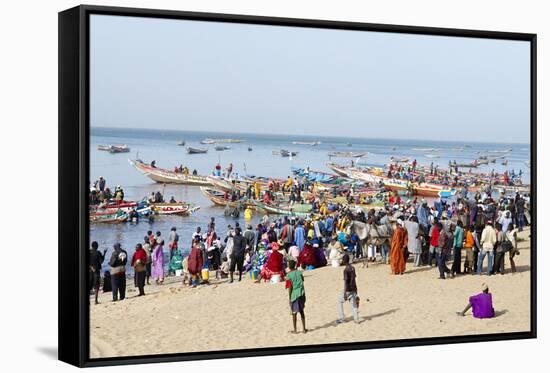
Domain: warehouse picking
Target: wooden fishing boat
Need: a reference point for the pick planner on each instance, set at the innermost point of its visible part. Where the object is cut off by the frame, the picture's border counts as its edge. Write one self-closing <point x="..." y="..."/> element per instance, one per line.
<point x="310" y="143"/>
<point x="399" y="160"/>
<point x="208" y="141"/>
<point x="104" y="147"/>
<point x="181" y="143"/>
<point x="161" y="175"/>
<point x="218" y="198"/>
<point x="191" y="150"/>
<point x="283" y="210"/>
<point x="142" y="208"/>
<point x="432" y="190"/>
<point x="338" y="169"/>
<point x="220" y="148"/>
<point x="109" y="217"/>
<point x="119" y="149"/>
<point x="288" y="153"/>
<point x="173" y="208"/>
<point x="347" y="154"/>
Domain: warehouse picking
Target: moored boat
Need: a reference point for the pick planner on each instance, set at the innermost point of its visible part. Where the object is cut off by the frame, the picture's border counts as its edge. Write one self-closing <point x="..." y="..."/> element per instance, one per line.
<point x="191" y="150"/>
<point x="173" y="208"/>
<point x="347" y="154"/>
<point x="294" y="210"/>
<point x="161" y="175"/>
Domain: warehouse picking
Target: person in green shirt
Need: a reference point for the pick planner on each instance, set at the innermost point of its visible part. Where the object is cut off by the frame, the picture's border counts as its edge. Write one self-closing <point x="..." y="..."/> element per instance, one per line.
<point x="458" y="241"/>
<point x="296" y="295"/>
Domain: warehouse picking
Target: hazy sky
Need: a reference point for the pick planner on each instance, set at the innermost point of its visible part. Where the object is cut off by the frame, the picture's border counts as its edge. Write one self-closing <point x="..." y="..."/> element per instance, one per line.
<point x="174" y="74"/>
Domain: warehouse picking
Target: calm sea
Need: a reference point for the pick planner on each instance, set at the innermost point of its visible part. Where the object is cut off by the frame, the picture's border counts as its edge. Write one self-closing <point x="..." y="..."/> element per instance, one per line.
<point x="161" y="145"/>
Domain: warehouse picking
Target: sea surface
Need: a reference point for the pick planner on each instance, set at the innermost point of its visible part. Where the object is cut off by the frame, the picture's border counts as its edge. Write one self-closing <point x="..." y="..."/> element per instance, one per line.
<point x="161" y="145"/>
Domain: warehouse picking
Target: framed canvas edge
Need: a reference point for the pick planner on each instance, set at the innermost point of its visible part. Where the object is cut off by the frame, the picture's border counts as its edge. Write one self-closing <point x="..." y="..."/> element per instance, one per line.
<point x="73" y="317"/>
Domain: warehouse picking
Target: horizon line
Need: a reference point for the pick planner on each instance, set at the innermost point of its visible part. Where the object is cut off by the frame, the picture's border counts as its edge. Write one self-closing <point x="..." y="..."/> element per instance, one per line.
<point x="311" y="136"/>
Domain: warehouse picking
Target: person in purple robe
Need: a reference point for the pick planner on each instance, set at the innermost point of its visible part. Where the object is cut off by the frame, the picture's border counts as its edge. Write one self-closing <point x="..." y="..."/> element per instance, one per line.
<point x="158" y="263"/>
<point x="481" y="304"/>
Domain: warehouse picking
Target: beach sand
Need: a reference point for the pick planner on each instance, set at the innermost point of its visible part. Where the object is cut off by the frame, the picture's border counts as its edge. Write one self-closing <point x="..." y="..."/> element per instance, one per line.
<point x="222" y="316"/>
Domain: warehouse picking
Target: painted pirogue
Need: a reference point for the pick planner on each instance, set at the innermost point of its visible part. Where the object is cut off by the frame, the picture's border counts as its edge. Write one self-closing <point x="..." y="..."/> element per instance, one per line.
<point x="161" y="175"/>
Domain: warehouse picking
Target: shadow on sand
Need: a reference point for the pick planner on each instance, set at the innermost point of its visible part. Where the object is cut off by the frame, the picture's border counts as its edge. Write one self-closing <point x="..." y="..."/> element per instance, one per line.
<point x="50" y="352"/>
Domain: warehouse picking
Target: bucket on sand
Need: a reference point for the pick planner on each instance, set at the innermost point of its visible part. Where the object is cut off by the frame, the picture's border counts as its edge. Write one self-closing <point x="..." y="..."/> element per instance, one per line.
<point x="309" y="268"/>
<point x="205" y="274"/>
<point x="179" y="272"/>
<point x="275" y="279"/>
<point x="254" y="274"/>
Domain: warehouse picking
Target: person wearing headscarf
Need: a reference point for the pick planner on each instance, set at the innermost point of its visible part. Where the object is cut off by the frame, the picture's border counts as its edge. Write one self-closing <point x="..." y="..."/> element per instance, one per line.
<point x="195" y="260"/>
<point x="274" y="264"/>
<point x="158" y="262"/>
<point x="399" y="242"/>
<point x="414" y="244"/>
<point x="139" y="261"/>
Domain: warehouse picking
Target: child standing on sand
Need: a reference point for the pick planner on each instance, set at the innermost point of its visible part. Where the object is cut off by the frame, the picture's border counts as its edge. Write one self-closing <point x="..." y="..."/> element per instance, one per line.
<point x="349" y="293"/>
<point x="296" y="295"/>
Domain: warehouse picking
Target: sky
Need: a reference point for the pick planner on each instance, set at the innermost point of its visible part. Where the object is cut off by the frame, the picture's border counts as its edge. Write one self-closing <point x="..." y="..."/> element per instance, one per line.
<point x="212" y="76"/>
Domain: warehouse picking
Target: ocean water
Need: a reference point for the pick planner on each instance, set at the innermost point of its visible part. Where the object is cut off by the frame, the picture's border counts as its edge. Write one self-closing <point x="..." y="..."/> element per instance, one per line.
<point x="161" y="145"/>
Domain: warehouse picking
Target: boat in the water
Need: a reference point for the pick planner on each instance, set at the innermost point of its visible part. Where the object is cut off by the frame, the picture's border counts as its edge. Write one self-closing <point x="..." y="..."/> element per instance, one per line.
<point x="191" y="150"/>
<point x="347" y="154"/>
<point x="249" y="149"/>
<point x="284" y="153"/>
<point x="473" y="164"/>
<point x="119" y="149"/>
<point x="118" y="216"/>
<point x="399" y="160"/>
<point x="424" y="149"/>
<point x="432" y="155"/>
<point x="161" y="175"/>
<point x="220" y="198"/>
<point x="221" y="148"/>
<point x="173" y="208"/>
<point x="289" y="210"/>
<point x="181" y="143"/>
<point x="208" y="141"/>
<point x="310" y="143"/>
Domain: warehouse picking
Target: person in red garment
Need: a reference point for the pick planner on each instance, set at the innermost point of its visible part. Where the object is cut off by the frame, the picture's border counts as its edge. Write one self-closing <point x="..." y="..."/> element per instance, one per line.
<point x="195" y="260"/>
<point x="274" y="264"/>
<point x="308" y="256"/>
<point x="139" y="261"/>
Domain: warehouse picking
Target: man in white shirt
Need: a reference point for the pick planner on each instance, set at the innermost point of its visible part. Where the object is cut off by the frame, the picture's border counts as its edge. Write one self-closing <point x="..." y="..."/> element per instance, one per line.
<point x="488" y="241"/>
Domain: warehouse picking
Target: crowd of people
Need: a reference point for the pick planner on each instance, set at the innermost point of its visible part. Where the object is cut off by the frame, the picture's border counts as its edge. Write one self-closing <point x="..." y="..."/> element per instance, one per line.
<point x="461" y="233"/>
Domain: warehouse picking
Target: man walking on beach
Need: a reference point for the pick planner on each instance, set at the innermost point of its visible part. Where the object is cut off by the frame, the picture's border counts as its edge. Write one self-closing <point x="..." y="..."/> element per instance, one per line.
<point x="458" y="240"/>
<point x="444" y="244"/>
<point x="118" y="261"/>
<point x="349" y="293"/>
<point x="488" y="241"/>
<point x="237" y="254"/>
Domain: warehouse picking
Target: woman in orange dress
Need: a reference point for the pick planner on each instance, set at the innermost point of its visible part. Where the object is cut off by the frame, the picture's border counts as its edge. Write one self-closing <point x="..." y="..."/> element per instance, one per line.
<point x="399" y="241"/>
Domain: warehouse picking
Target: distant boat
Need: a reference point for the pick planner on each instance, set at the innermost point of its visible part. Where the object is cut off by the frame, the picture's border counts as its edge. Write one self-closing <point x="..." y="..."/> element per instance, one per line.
<point x="284" y="153"/>
<point x="432" y="155"/>
<point x="399" y="160"/>
<point x="249" y="149"/>
<point x="208" y="141"/>
<point x="191" y="150"/>
<point x="505" y="162"/>
<point x="310" y="143"/>
<point x="221" y="148"/>
<point x="347" y="154"/>
<point x="181" y="143"/>
<point x="119" y="149"/>
<point x="348" y="144"/>
<point x="423" y="149"/>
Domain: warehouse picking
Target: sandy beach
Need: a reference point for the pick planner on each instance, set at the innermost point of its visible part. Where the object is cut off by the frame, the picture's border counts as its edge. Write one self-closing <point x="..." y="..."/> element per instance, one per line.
<point x="220" y="316"/>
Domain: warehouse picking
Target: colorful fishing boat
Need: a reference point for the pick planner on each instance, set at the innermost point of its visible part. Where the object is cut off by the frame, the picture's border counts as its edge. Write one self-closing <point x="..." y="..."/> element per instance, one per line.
<point x="173" y="208"/>
<point x="108" y="217"/>
<point x="161" y="175"/>
<point x="294" y="210"/>
<point x="219" y="198"/>
<point x="347" y="154"/>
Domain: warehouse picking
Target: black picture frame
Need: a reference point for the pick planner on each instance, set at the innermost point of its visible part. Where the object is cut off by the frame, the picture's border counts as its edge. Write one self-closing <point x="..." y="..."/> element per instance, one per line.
<point x="74" y="132"/>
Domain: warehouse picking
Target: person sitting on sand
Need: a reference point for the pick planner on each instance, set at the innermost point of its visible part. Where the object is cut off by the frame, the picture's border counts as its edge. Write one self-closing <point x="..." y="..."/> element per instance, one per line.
<point x="307" y="257"/>
<point x="349" y="293"/>
<point x="274" y="264"/>
<point x="296" y="295"/>
<point x="481" y="304"/>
